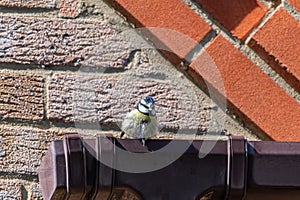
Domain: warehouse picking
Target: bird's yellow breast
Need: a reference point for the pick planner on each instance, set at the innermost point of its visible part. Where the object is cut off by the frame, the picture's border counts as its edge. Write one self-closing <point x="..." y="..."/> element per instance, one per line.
<point x="139" y="117"/>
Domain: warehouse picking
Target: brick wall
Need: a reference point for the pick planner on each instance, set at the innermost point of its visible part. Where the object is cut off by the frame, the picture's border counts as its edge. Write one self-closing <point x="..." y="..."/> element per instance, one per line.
<point x="55" y="55"/>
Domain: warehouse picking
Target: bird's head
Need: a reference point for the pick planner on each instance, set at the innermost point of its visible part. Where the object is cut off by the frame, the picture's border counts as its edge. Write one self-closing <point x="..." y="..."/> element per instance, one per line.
<point x="147" y="106"/>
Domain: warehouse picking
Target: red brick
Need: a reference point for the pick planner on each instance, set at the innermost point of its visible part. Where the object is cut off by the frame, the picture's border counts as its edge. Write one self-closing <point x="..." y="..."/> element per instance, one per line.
<point x="295" y="3"/>
<point x="21" y="96"/>
<point x="180" y="27"/>
<point x="239" y="17"/>
<point x="278" y="43"/>
<point x="258" y="100"/>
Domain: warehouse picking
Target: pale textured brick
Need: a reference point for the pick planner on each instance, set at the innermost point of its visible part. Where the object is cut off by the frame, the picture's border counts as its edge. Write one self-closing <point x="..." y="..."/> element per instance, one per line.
<point x="58" y="42"/>
<point x="22" y="149"/>
<point x="107" y="100"/>
<point x="36" y="193"/>
<point x="48" y="4"/>
<point x="70" y="8"/>
<point x="21" y="96"/>
<point x="10" y="190"/>
<point x="66" y="8"/>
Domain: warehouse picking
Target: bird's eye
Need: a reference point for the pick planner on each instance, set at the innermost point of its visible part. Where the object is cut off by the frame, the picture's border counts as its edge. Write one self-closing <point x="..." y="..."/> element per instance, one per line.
<point x="145" y="105"/>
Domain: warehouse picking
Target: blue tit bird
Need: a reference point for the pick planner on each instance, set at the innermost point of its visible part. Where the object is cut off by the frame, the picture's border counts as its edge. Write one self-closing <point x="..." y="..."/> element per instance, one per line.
<point x="141" y="122"/>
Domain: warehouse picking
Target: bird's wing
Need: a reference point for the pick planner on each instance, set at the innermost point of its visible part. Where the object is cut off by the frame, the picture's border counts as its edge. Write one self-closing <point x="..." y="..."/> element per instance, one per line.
<point x="152" y="127"/>
<point x="129" y="125"/>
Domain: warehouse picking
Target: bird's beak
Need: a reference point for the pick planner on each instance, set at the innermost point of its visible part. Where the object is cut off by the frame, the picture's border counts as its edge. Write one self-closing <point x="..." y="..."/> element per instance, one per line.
<point x="152" y="112"/>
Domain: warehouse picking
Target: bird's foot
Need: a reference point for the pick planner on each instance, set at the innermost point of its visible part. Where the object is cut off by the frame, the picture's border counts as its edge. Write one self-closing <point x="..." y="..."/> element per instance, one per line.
<point x="122" y="134"/>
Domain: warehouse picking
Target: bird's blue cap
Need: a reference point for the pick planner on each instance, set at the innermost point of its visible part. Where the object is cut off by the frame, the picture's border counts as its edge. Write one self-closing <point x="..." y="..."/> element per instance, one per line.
<point x="149" y="99"/>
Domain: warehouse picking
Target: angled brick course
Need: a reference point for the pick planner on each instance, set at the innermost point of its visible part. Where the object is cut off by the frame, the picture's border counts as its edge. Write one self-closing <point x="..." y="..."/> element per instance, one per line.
<point x="295" y="3"/>
<point x="250" y="92"/>
<point x="239" y="17"/>
<point x="278" y="43"/>
<point x="21" y="96"/>
<point x="176" y="21"/>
